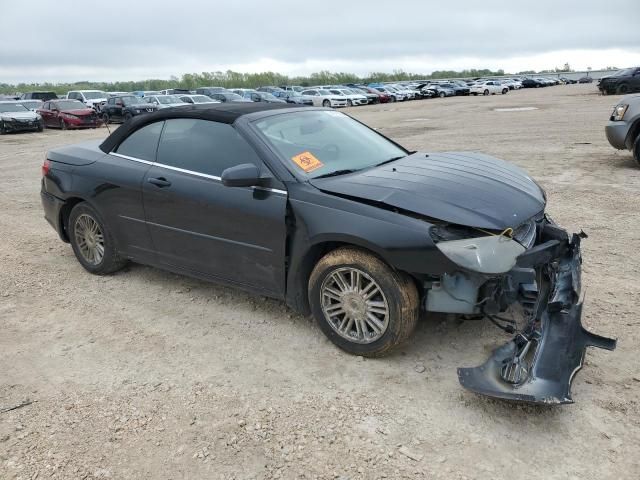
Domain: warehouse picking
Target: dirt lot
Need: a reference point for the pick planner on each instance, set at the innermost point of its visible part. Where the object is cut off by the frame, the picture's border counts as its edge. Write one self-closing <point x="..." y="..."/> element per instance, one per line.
<point x="147" y="374"/>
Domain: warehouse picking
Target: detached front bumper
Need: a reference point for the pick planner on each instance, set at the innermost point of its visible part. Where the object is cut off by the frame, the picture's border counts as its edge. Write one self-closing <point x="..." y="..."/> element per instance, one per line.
<point x="539" y="364"/>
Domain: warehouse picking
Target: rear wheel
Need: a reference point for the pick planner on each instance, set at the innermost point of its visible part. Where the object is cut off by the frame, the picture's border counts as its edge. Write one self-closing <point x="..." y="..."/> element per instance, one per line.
<point x="486" y="92"/>
<point x="92" y="242"/>
<point x="361" y="304"/>
<point x="127" y="116"/>
<point x="393" y="98"/>
<point x="442" y="94"/>
<point x="624" y="88"/>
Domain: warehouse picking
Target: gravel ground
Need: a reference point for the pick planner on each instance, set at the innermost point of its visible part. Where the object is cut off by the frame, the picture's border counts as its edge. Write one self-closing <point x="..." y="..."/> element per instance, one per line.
<point x="146" y="374"/>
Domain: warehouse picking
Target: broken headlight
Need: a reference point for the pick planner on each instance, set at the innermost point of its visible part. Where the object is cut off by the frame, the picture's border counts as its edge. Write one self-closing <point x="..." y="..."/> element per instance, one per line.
<point x="493" y="254"/>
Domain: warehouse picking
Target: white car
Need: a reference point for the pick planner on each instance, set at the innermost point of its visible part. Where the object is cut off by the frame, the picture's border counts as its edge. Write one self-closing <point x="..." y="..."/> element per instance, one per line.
<point x="353" y="99"/>
<point x="165" y="101"/>
<point x="395" y="95"/>
<point x="407" y="92"/>
<point x="91" y="98"/>
<point x="488" y="87"/>
<point x="197" y="99"/>
<point x="324" y="98"/>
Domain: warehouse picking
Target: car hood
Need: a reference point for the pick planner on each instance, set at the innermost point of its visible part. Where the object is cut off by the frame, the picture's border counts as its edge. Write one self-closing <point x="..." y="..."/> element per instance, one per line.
<point x="20" y="115"/>
<point x="464" y="188"/>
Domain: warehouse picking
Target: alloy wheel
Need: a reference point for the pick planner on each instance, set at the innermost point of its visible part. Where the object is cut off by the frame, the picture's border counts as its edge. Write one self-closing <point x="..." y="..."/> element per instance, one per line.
<point x="89" y="239"/>
<point x="354" y="305"/>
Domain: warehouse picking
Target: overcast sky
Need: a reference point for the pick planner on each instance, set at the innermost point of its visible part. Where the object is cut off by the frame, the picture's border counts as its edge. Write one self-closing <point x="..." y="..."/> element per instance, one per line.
<point x="66" y="40"/>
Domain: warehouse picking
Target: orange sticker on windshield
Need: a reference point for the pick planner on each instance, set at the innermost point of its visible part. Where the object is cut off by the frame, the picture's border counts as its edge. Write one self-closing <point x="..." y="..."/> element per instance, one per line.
<point x="307" y="161"/>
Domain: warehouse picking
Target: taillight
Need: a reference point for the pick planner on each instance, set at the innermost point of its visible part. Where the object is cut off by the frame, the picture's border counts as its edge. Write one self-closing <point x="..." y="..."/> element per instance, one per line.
<point x="46" y="166"/>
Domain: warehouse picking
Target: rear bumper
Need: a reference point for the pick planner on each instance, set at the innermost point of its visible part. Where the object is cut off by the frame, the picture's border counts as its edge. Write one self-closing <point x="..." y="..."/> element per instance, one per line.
<point x="539" y="364"/>
<point x="52" y="207"/>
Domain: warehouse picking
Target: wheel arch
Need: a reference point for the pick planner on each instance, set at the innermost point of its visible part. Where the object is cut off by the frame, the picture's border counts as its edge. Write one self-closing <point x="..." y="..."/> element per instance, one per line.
<point x="297" y="295"/>
<point x="65" y="212"/>
<point x="632" y="134"/>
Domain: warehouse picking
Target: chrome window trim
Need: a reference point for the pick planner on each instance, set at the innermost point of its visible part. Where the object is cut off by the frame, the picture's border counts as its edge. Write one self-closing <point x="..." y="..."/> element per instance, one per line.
<point x="191" y="172"/>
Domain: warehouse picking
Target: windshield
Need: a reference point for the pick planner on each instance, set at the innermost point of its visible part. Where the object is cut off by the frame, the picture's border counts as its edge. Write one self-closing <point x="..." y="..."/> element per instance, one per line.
<point x="232" y="96"/>
<point x="13" y="107"/>
<point x="322" y="142"/>
<point x="70" y="105"/>
<point x="324" y="92"/>
<point x="167" y="99"/>
<point x="267" y="96"/>
<point x="31" y="103"/>
<point x="625" y="72"/>
<point x="94" y="95"/>
<point x="128" y="101"/>
<point x="200" y="99"/>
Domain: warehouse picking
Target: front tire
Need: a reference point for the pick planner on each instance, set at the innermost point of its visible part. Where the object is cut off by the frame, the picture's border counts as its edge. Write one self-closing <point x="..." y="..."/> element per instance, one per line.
<point x="636" y="150"/>
<point x="349" y="103"/>
<point x="361" y="304"/>
<point x="326" y="104"/>
<point x="92" y="242"/>
<point x="105" y="118"/>
<point x="623" y="89"/>
<point x="505" y="90"/>
<point x="127" y="116"/>
<point x="485" y="93"/>
<point x="442" y="94"/>
<point x="63" y="124"/>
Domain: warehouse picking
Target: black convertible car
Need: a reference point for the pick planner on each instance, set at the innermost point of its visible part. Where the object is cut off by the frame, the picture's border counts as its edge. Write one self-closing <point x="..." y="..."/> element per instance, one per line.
<point x="311" y="206"/>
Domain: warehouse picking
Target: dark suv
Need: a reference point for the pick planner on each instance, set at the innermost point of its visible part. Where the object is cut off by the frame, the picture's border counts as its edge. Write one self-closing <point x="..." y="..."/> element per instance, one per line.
<point x="623" y="81"/>
<point x="125" y="107"/>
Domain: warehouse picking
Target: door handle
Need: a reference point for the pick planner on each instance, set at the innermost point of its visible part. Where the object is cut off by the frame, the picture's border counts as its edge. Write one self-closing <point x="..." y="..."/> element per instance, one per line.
<point x="159" y="182"/>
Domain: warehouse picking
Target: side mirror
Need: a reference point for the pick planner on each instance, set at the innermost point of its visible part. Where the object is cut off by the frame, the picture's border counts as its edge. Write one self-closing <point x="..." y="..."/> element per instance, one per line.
<point x="244" y="175"/>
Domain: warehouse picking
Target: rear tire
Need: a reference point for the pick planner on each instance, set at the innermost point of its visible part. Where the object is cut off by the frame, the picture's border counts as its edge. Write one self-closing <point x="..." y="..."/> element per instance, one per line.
<point x="92" y="242"/>
<point x="393" y="99"/>
<point x="127" y="116"/>
<point x="442" y="94"/>
<point x="623" y="89"/>
<point x="381" y="305"/>
<point x="485" y="93"/>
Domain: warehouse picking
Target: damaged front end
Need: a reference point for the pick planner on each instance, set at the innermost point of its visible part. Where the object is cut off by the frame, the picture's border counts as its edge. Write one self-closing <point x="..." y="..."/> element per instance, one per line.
<point x="543" y="278"/>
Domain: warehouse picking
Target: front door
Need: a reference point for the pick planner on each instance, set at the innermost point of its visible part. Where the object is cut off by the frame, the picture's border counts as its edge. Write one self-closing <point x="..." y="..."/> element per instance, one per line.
<point x="235" y="234"/>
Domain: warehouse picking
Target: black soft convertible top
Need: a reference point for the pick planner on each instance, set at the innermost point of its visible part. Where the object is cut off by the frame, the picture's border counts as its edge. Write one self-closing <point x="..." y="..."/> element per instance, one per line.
<point x="218" y="112"/>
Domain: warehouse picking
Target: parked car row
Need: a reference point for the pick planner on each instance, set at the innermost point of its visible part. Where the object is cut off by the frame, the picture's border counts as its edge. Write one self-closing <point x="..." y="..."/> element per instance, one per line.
<point x="90" y="108"/>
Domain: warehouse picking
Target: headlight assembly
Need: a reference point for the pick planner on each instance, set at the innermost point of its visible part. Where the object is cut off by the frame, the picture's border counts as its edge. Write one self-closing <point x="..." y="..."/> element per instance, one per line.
<point x="494" y="254"/>
<point x="618" y="112"/>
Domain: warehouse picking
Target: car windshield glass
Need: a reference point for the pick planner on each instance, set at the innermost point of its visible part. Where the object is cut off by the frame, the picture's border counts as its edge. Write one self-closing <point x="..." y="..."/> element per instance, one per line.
<point x="31" y="103"/>
<point x="94" y="95"/>
<point x="267" y="96"/>
<point x="324" y="92"/>
<point x="167" y="99"/>
<point x="13" y="107"/>
<point x="132" y="100"/>
<point x="322" y="142"/>
<point x="625" y="72"/>
<point x="232" y="96"/>
<point x="69" y="105"/>
<point x="200" y="99"/>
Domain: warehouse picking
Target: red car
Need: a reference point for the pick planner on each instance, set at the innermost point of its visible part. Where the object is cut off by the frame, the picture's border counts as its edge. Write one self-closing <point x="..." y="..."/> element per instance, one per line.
<point x="68" y="114"/>
<point x="382" y="96"/>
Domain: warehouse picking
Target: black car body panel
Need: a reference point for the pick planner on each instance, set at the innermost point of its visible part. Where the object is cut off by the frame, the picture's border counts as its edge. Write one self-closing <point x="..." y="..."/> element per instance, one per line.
<point x="267" y="238"/>
<point x="431" y="185"/>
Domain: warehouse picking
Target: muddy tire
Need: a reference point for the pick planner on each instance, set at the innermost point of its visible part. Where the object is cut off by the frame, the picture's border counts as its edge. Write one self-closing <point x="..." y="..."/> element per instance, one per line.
<point x="636" y="150"/>
<point x="92" y="242"/>
<point x="361" y="304"/>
